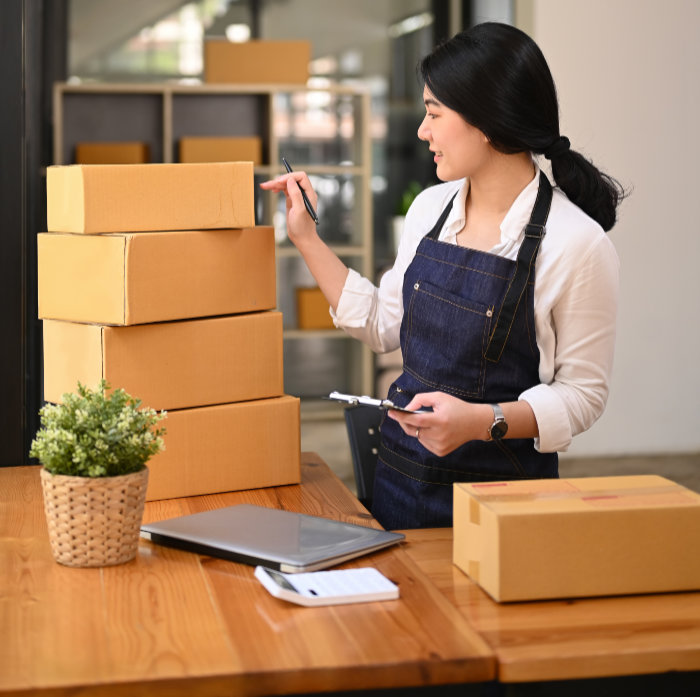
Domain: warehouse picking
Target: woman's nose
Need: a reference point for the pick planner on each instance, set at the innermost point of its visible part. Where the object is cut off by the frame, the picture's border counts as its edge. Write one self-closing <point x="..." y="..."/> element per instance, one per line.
<point x="423" y="130"/>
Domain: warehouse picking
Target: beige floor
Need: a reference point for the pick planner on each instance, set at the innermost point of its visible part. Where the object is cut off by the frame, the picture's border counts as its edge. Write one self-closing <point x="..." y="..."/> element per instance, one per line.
<point x="329" y="440"/>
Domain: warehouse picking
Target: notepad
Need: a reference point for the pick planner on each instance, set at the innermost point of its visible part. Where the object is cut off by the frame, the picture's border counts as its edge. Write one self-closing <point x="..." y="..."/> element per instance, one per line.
<point x="284" y="540"/>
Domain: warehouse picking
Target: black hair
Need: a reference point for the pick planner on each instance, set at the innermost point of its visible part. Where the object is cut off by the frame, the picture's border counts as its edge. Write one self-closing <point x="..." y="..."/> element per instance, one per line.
<point x="496" y="77"/>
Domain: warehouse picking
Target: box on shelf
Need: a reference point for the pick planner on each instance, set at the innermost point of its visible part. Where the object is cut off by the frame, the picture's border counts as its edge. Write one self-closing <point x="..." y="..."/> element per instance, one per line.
<point x="136" y="198"/>
<point x="136" y="278"/>
<point x="124" y="153"/>
<point x="312" y="309"/>
<point x="256" y="61"/>
<point x="565" y="538"/>
<point x="169" y="365"/>
<point x="223" y="149"/>
<point x="228" y="447"/>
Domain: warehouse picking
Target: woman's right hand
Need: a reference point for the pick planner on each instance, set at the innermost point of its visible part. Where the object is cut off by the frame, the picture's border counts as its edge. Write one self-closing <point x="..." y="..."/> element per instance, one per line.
<point x="300" y="226"/>
<point x="325" y="266"/>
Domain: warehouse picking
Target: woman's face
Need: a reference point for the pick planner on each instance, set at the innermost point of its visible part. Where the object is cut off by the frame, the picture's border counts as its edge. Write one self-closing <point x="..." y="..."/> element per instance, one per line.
<point x="459" y="148"/>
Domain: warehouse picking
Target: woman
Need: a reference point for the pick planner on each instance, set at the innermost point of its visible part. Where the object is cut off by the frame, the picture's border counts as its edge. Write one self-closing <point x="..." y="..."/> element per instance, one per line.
<point x="503" y="296"/>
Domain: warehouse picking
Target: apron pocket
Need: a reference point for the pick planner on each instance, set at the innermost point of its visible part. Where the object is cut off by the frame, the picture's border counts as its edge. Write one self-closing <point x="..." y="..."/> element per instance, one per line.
<point x="446" y="352"/>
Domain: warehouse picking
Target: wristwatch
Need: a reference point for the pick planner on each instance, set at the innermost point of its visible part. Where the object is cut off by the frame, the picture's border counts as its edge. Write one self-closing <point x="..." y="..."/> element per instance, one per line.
<point x="499" y="427"/>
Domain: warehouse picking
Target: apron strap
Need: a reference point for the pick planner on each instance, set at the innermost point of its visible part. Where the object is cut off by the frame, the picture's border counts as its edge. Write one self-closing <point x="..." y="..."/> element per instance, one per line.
<point x="434" y="234"/>
<point x="524" y="264"/>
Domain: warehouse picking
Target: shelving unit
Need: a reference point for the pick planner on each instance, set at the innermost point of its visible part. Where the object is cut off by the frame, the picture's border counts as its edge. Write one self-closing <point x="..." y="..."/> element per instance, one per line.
<point x="323" y="131"/>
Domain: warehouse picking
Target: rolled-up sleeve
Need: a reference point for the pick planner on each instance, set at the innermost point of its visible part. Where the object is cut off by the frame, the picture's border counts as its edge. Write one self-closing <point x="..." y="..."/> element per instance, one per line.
<point x="579" y="345"/>
<point x="356" y="301"/>
<point x="371" y="314"/>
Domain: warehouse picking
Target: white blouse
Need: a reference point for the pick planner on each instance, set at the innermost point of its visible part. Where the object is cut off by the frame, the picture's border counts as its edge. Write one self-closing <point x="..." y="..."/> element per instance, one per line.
<point x="576" y="292"/>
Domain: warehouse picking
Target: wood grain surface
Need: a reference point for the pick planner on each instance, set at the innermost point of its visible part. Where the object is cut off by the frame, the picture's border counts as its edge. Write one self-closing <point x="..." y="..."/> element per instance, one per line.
<point x="566" y="639"/>
<point x="172" y="622"/>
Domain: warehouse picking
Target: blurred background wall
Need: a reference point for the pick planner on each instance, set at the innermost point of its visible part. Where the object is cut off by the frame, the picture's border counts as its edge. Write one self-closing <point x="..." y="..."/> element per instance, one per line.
<point x="627" y="76"/>
<point x="630" y="99"/>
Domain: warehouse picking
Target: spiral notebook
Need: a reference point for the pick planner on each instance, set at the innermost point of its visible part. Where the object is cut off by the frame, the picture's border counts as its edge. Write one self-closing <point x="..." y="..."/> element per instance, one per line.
<point x="283" y="540"/>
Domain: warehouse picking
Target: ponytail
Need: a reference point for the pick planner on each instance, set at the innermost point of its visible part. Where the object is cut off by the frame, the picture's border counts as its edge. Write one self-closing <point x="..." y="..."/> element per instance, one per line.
<point x="594" y="192"/>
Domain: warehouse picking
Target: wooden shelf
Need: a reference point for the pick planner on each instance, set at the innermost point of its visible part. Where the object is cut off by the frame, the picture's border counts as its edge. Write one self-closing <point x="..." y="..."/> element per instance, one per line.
<point x="159" y="114"/>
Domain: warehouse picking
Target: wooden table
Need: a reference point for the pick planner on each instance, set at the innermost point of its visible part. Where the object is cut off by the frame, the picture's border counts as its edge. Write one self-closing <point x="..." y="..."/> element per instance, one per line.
<point x="566" y="639"/>
<point x="175" y="623"/>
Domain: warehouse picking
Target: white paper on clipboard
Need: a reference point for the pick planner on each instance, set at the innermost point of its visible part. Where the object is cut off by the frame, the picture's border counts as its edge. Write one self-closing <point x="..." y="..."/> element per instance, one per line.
<point x="364" y="400"/>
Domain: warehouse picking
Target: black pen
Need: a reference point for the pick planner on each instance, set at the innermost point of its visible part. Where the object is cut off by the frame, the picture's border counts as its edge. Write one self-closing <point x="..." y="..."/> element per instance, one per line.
<point x="307" y="203"/>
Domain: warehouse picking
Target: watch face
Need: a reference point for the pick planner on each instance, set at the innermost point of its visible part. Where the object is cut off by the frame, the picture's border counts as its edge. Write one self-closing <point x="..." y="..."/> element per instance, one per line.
<point x="499" y="429"/>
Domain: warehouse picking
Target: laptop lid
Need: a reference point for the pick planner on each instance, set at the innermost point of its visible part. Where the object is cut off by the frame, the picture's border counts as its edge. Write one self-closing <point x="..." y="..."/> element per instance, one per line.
<point x="284" y="540"/>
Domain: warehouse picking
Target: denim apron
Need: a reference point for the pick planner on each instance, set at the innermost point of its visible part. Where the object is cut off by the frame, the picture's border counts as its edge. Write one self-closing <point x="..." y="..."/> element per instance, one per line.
<point x="469" y="330"/>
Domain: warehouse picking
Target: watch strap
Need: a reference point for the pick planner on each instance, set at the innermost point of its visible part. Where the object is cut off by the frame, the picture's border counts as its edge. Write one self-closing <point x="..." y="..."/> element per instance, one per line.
<point x="499" y="427"/>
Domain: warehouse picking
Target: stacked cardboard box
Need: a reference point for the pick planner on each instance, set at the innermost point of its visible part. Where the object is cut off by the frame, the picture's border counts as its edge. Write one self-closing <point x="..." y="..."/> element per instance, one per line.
<point x="155" y="278"/>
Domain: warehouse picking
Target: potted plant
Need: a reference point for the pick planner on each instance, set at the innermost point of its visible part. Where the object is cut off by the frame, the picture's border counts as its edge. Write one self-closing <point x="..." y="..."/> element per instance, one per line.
<point x="93" y="449"/>
<point x="404" y="203"/>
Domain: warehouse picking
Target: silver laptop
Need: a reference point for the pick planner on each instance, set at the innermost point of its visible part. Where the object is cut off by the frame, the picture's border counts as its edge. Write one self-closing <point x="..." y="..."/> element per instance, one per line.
<point x="283" y="540"/>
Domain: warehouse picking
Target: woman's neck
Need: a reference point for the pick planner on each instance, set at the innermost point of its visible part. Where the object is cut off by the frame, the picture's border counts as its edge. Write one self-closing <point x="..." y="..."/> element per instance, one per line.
<point x="495" y="187"/>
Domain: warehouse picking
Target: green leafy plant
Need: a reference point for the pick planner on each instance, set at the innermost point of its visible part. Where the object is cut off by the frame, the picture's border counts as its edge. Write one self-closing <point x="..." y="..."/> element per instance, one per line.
<point x="95" y="434"/>
<point x="407" y="197"/>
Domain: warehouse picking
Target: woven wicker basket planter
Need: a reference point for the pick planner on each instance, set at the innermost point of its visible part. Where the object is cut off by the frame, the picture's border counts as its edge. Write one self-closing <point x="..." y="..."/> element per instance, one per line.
<point x="94" y="521"/>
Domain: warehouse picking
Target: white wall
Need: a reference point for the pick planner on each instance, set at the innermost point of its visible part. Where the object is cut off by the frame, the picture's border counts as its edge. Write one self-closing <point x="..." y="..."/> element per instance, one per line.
<point x="627" y="73"/>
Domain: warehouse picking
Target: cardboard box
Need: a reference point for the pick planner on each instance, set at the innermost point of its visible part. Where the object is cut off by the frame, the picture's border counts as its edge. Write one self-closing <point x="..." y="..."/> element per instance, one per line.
<point x="112" y="153"/>
<point x="170" y="365"/>
<point x="136" y="198"/>
<point x="565" y="538"/>
<point x="251" y="62"/>
<point x="312" y="309"/>
<point x="135" y="278"/>
<point x="203" y="149"/>
<point x="228" y="447"/>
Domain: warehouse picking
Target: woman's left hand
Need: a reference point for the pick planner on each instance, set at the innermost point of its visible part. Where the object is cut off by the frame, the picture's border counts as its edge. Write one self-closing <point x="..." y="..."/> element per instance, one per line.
<point x="452" y="422"/>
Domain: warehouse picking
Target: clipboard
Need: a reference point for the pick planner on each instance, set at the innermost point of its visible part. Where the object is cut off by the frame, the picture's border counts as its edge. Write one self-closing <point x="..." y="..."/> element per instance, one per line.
<point x="385" y="404"/>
